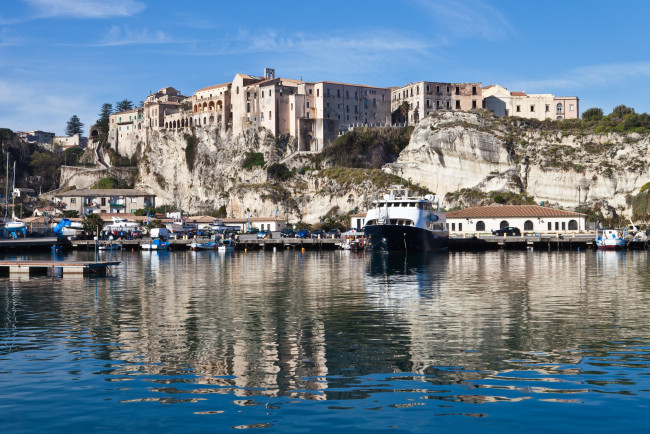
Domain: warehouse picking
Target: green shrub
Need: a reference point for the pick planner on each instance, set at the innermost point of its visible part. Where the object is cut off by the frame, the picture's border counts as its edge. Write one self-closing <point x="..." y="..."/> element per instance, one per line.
<point x="279" y="171"/>
<point x="190" y="150"/>
<point x="253" y="159"/>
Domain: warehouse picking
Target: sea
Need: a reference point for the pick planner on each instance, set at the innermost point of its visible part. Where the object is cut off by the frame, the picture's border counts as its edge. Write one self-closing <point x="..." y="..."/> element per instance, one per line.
<point x="330" y="341"/>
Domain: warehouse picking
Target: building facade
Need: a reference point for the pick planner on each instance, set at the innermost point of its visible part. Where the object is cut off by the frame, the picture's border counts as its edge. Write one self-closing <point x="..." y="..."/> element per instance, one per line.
<point x="118" y="201"/>
<point x="502" y="102"/>
<point x="530" y="219"/>
<point x="425" y="97"/>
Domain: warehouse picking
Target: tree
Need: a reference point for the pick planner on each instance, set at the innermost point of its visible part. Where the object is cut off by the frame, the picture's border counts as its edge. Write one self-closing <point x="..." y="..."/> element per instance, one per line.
<point x="74" y="126"/>
<point x="592" y="114"/>
<point x="621" y="110"/>
<point x="123" y="105"/>
<point x="92" y="223"/>
<point x="404" y="109"/>
<point x="103" y="122"/>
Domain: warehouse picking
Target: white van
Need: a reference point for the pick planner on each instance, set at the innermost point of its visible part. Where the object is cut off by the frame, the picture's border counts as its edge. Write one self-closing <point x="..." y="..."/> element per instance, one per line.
<point x="160" y="233"/>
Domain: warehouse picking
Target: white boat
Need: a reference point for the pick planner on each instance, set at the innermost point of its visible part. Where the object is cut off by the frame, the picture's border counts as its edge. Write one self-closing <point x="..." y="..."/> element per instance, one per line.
<point x="352" y="240"/>
<point x="156" y="245"/>
<point x="611" y="239"/>
<point x="401" y="223"/>
<point x="121" y="223"/>
<point x="211" y="245"/>
<point x="14" y="225"/>
<point x="227" y="245"/>
<point x="108" y="246"/>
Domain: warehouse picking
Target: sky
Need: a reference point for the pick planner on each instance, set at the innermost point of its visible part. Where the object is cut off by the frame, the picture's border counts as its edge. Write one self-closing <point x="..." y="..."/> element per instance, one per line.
<point x="60" y="58"/>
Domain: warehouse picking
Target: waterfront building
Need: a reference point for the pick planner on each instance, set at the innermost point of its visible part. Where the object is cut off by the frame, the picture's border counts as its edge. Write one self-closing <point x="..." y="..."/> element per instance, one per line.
<point x="119" y="201"/>
<point x="529" y="219"/>
<point x="502" y="102"/>
<point x="425" y="97"/>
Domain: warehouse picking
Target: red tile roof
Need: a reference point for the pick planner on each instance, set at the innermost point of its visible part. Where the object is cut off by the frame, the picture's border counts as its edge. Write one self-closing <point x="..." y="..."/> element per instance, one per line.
<point x="518" y="93"/>
<point x="511" y="211"/>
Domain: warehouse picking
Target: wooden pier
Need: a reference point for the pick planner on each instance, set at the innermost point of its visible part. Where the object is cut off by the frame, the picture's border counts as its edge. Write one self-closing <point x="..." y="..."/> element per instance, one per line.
<point x="55" y="267"/>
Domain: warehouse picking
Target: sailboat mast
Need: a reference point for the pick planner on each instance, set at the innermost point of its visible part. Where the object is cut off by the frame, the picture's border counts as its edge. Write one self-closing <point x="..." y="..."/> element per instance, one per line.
<point x="7" y="189"/>
<point x="13" y="196"/>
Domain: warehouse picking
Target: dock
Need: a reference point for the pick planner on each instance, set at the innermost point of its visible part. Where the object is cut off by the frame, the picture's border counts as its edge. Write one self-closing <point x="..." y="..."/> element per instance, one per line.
<point x="54" y="268"/>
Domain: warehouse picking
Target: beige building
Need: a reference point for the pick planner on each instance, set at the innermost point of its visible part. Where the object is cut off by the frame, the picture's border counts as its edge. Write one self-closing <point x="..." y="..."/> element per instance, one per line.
<point x="425" y="97"/>
<point x="530" y="219"/>
<point x="314" y="113"/>
<point x="73" y="141"/>
<point x="502" y="102"/>
<point x="89" y="201"/>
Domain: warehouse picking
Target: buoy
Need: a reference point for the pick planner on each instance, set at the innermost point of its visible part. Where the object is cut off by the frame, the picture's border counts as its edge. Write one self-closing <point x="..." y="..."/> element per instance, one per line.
<point x="245" y="250"/>
<point x="302" y="250"/>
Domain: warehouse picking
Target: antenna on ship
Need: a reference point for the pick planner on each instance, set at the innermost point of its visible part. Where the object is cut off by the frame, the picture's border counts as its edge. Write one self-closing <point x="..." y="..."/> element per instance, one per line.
<point x="401" y="172"/>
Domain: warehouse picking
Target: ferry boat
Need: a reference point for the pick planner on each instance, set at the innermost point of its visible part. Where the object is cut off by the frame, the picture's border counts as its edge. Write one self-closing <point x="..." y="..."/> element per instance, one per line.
<point x="611" y="239"/>
<point x="401" y="223"/>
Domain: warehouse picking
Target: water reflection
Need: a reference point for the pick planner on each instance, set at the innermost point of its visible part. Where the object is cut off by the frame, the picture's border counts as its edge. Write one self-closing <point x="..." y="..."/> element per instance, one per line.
<point x="376" y="331"/>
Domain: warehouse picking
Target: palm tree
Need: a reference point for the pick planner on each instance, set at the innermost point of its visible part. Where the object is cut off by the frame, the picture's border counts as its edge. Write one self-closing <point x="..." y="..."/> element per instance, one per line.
<point x="404" y="110"/>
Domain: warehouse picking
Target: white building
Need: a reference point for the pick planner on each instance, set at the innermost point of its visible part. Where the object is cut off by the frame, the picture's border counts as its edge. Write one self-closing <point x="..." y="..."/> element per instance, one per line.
<point x="531" y="219"/>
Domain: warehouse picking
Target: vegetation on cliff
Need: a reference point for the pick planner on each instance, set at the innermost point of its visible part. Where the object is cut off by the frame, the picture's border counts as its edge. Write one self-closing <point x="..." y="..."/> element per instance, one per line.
<point x="367" y="147"/>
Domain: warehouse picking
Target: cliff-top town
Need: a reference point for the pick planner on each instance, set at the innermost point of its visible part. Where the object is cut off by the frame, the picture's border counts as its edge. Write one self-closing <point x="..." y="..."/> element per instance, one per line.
<point x="316" y="113"/>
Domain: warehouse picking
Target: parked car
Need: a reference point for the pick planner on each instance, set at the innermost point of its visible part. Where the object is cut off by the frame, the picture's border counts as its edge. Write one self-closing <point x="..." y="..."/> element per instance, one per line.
<point x="136" y="234"/>
<point x="508" y="231"/>
<point x="303" y="233"/>
<point x="287" y="233"/>
<point x="264" y="234"/>
<point x="252" y="230"/>
<point x="334" y="233"/>
<point x="318" y="233"/>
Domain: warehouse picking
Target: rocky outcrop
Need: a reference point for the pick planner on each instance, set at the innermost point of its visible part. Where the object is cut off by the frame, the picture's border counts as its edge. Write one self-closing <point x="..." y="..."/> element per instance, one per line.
<point x="452" y="151"/>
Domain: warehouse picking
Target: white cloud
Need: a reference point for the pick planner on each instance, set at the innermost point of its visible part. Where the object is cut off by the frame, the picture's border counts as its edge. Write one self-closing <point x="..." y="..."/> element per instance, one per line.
<point x="119" y="35"/>
<point x="468" y="19"/>
<point x="26" y="107"/>
<point x="589" y="76"/>
<point x="86" y="8"/>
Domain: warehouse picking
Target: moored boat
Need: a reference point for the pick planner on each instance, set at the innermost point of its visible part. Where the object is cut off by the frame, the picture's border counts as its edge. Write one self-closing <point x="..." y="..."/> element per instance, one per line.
<point x="402" y="223"/>
<point x="352" y="240"/>
<point x="210" y="245"/>
<point x="611" y="239"/>
<point x="156" y="244"/>
<point x="227" y="245"/>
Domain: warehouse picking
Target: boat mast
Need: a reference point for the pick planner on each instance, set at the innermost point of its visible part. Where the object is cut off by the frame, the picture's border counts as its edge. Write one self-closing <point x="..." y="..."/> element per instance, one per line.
<point x="7" y="189"/>
<point x="13" y="196"/>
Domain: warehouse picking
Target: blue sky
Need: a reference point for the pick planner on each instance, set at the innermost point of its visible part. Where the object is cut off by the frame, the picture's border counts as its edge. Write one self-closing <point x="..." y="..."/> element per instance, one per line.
<point x="64" y="57"/>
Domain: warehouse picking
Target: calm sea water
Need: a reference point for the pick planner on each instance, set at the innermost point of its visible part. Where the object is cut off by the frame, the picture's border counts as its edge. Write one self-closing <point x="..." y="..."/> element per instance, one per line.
<point x="318" y="341"/>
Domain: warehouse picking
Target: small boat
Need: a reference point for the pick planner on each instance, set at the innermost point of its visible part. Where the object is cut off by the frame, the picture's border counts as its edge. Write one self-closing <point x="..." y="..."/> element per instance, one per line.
<point x="402" y="223"/>
<point x="109" y="246"/>
<point x="121" y="223"/>
<point x="352" y="240"/>
<point x="611" y="239"/>
<point x="227" y="245"/>
<point x="211" y="245"/>
<point x="156" y="245"/>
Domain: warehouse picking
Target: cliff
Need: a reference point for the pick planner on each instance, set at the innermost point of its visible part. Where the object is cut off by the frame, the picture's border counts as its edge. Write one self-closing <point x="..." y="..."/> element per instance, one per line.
<point x="466" y="157"/>
<point x="452" y="151"/>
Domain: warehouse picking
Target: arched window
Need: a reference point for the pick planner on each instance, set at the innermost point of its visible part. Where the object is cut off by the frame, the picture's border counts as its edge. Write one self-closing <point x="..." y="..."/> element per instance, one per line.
<point x="528" y="225"/>
<point x="573" y="225"/>
<point x="559" y="108"/>
<point x="480" y="225"/>
<point x="503" y="224"/>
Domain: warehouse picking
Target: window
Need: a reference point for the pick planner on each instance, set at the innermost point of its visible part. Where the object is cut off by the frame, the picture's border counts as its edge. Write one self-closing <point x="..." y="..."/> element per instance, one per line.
<point x="473" y="103"/>
<point x="317" y="92"/>
<point x="532" y="108"/>
<point x="473" y="90"/>
<point x="453" y="226"/>
<point x="73" y="200"/>
<point x="518" y="108"/>
<point x="558" y="108"/>
<point x="460" y="227"/>
<point x="103" y="201"/>
<point x="548" y="108"/>
<point x="457" y="90"/>
<point x="270" y="115"/>
<point x="448" y="89"/>
<point x="528" y="225"/>
<point x="573" y="225"/>
<point x="571" y="107"/>
<point x="564" y="226"/>
<point x="480" y="225"/>
<point x="458" y="104"/>
<point x="310" y="91"/>
<point x="557" y="226"/>
<point x="438" y="89"/>
<point x="549" y="226"/>
<point x="134" y="200"/>
<point x="503" y="224"/>
<point x="248" y="107"/>
<point x="307" y="104"/>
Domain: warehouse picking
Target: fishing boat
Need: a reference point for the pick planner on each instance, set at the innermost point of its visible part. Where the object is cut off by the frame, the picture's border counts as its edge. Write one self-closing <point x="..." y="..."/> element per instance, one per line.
<point x="611" y="239"/>
<point x="227" y="245"/>
<point x="401" y="223"/>
<point x="352" y="240"/>
<point x="211" y="245"/>
<point x="156" y="245"/>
